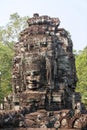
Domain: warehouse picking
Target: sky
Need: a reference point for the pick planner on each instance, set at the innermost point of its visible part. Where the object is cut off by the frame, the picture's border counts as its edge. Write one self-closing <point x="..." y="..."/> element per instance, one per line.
<point x="72" y="14"/>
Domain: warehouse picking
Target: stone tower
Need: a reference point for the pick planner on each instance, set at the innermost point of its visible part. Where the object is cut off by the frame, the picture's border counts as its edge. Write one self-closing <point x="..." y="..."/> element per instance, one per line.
<point x="44" y="74"/>
<point x="44" y="64"/>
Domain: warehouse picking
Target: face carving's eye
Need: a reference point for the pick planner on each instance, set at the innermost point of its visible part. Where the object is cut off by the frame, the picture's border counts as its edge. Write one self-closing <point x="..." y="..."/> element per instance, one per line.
<point x="33" y="73"/>
<point x="36" y="73"/>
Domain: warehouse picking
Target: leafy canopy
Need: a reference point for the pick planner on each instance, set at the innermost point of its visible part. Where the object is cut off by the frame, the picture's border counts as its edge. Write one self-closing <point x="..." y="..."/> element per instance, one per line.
<point x="8" y="36"/>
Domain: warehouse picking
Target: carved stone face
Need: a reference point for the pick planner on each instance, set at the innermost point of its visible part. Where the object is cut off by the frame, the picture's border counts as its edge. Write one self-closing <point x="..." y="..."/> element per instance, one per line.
<point x="35" y="76"/>
<point x="33" y="79"/>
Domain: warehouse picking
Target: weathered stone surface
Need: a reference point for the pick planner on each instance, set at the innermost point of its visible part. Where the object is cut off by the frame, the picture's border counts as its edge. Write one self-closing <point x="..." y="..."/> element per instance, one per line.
<point x="44" y="80"/>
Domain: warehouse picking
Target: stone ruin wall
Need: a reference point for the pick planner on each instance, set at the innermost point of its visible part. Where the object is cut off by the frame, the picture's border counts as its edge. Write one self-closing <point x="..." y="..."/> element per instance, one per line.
<point x="44" y="78"/>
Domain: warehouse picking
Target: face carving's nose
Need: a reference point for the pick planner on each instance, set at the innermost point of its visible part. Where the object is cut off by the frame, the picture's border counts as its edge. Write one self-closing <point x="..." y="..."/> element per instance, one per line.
<point x="32" y="73"/>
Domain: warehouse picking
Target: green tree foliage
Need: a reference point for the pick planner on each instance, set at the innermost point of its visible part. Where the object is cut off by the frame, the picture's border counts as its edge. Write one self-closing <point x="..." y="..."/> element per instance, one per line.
<point x="6" y="55"/>
<point x="8" y="36"/>
<point x="81" y="66"/>
<point x="9" y="33"/>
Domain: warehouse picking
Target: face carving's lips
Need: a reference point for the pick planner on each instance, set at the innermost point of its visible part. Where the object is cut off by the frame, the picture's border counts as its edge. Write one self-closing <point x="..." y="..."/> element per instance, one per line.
<point x="33" y="85"/>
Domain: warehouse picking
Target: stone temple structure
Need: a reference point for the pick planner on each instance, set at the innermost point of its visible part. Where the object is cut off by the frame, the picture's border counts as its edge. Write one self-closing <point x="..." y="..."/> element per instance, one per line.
<point x="44" y="79"/>
<point x="44" y="65"/>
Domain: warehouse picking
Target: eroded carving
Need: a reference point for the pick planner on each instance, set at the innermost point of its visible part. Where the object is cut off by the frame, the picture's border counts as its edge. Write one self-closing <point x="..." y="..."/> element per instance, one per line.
<point x="44" y="80"/>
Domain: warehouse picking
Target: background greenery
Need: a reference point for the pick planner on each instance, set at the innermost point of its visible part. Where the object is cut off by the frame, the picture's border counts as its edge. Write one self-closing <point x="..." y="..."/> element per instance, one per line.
<point x="81" y="67"/>
<point x="9" y="35"/>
